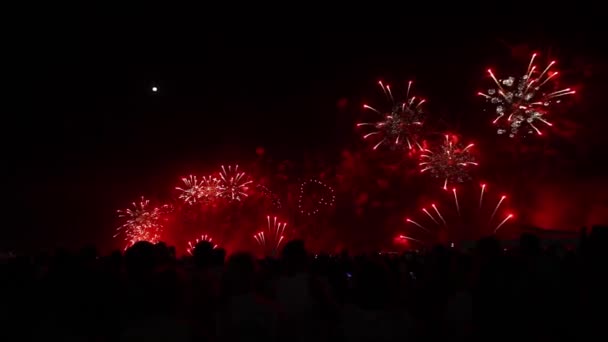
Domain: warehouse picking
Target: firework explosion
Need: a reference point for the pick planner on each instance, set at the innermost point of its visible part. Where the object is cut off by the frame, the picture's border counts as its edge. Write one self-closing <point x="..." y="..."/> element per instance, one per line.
<point x="315" y="196"/>
<point x="523" y="101"/>
<point x="194" y="190"/>
<point x="233" y="185"/>
<point x="520" y="103"/>
<point x="143" y="223"/>
<point x="271" y="239"/>
<point x="476" y="210"/>
<point x="210" y="188"/>
<point x="450" y="163"/>
<point x="400" y="124"/>
<point x="192" y="244"/>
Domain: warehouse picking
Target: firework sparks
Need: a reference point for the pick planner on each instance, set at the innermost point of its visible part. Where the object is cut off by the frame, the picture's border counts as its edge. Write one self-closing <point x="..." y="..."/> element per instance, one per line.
<point x="143" y="223"/>
<point x="191" y="190"/>
<point x="210" y="188"/>
<point x="271" y="239"/>
<point x="315" y="196"/>
<point x="274" y="198"/>
<point x="473" y="209"/>
<point x="233" y="185"/>
<point x="400" y="125"/>
<point x="408" y="238"/>
<point x="521" y="103"/>
<point x="450" y="163"/>
<point x="194" y="190"/>
<point x="204" y="237"/>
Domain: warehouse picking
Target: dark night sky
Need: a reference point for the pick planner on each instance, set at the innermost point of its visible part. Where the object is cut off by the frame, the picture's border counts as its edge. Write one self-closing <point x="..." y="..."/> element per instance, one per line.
<point x="93" y="136"/>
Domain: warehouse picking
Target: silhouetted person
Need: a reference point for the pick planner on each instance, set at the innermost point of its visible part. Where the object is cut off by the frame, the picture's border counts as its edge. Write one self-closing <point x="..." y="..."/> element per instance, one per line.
<point x="140" y="259"/>
<point x="373" y="317"/>
<point x="140" y="263"/>
<point x="203" y="254"/>
<point x="304" y="298"/>
<point x="529" y="245"/>
<point x="204" y="289"/>
<point x="88" y="255"/>
<point x="458" y="311"/>
<point x="490" y="294"/>
<point x="216" y="269"/>
<point x="594" y="273"/>
<point x="153" y="296"/>
<point x="245" y="316"/>
<point x="163" y="253"/>
<point x="294" y="257"/>
<point x="527" y="293"/>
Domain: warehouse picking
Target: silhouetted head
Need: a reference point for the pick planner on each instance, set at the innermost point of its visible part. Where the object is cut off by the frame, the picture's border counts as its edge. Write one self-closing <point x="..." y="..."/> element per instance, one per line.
<point x="115" y="259"/>
<point x="488" y="247"/>
<point x="372" y="284"/>
<point x="344" y="253"/>
<point x="240" y="274"/>
<point x="88" y="253"/>
<point x="529" y="244"/>
<point x="140" y="258"/>
<point x="162" y="252"/>
<point x="600" y="233"/>
<point x="116" y="255"/>
<point x="294" y="255"/>
<point x="597" y="242"/>
<point x="439" y="251"/>
<point x="62" y="257"/>
<point x="203" y="253"/>
<point x="161" y="246"/>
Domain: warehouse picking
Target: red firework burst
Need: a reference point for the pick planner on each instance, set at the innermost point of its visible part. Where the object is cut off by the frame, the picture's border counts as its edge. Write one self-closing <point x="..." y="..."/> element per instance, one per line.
<point x="522" y="102"/>
<point x="460" y="215"/>
<point x="400" y="124"/>
<point x="271" y="239"/>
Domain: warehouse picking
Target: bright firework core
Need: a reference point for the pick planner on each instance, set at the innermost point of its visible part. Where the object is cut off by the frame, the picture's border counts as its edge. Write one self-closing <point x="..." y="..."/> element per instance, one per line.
<point x="400" y="125"/>
<point x="450" y="162"/>
<point x="194" y="191"/>
<point x="523" y="101"/>
<point x="143" y="223"/>
<point x="233" y="184"/>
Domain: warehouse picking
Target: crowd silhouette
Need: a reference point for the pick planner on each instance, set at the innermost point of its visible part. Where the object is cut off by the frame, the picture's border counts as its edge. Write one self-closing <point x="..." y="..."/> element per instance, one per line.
<point x="532" y="292"/>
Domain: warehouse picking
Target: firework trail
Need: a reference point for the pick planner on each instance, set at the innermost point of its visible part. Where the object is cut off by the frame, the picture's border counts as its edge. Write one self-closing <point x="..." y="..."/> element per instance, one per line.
<point x="194" y="190"/>
<point x="315" y="196"/>
<point x="400" y="125"/>
<point x="473" y="211"/>
<point x="233" y="185"/>
<point x="523" y="102"/>
<point x="409" y="238"/>
<point x="143" y="223"/>
<point x="450" y="162"/>
<point x="204" y="237"/>
<point x="271" y="239"/>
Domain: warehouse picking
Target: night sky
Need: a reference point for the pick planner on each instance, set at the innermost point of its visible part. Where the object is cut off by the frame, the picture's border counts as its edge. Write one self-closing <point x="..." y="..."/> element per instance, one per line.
<point x="93" y="136"/>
